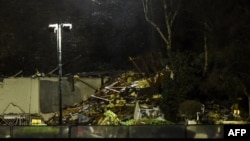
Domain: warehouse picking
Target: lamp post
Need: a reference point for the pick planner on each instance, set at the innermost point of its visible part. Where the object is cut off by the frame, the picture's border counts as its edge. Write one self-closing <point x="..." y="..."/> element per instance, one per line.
<point x="57" y="29"/>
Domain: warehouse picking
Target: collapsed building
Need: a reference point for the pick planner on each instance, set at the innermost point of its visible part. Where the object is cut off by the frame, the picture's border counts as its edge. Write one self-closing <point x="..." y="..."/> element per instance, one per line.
<point x="87" y="98"/>
<point x="25" y="98"/>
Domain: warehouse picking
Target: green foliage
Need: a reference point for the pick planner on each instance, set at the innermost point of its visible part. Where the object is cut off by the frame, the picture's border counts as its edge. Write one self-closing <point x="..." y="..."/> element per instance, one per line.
<point x="146" y="121"/>
<point x="213" y="116"/>
<point x="128" y="122"/>
<point x="110" y="119"/>
<point x="187" y="69"/>
<point x="158" y="122"/>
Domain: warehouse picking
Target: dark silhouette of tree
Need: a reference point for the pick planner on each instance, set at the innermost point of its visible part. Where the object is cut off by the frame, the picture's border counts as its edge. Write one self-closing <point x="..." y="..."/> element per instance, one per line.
<point x="180" y="86"/>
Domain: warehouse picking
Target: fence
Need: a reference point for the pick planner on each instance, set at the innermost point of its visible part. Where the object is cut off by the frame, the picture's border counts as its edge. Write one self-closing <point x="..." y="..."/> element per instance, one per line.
<point x="166" y="131"/>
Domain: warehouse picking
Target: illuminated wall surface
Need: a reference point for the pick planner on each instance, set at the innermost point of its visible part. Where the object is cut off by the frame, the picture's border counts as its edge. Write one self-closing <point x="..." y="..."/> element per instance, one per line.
<point x="40" y="95"/>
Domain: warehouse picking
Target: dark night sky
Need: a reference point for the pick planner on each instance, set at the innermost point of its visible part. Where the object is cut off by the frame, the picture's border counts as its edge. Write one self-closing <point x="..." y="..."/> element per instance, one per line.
<point x="105" y="32"/>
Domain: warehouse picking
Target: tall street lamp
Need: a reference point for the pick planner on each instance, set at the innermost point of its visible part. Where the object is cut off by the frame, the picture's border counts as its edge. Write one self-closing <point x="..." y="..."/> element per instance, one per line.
<point x="57" y="29"/>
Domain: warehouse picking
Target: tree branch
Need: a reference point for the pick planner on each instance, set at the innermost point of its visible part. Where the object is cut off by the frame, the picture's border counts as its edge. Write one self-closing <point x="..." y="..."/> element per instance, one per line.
<point x="145" y="8"/>
<point x="169" y="20"/>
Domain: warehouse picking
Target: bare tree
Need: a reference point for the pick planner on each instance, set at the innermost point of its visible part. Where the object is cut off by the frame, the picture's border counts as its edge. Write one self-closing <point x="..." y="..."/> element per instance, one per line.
<point x="205" y="48"/>
<point x="171" y="9"/>
<point x="248" y="97"/>
<point x="243" y="81"/>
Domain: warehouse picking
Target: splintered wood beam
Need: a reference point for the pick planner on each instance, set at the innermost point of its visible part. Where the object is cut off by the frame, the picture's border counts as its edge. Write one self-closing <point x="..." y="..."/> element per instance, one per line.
<point x="140" y="71"/>
<point x="99" y="98"/>
<point x="112" y="89"/>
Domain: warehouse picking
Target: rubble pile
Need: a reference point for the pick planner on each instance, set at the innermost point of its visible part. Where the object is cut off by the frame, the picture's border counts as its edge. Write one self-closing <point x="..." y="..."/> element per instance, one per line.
<point x="125" y="98"/>
<point x="122" y="98"/>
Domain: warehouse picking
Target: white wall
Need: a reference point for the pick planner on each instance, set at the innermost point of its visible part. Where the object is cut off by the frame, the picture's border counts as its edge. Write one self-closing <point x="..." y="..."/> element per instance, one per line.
<point x="18" y="95"/>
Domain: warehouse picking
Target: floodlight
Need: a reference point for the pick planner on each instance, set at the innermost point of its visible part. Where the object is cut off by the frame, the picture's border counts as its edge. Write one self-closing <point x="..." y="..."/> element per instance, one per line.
<point x="67" y="26"/>
<point x="53" y="27"/>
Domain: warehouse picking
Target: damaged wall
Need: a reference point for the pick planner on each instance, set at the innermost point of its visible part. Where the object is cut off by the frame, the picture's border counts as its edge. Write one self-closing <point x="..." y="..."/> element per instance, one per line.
<point x="35" y="95"/>
<point x="19" y="95"/>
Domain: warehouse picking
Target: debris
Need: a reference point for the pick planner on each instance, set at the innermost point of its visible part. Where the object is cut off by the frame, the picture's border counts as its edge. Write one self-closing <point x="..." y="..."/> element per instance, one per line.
<point x="126" y="96"/>
<point x="137" y="111"/>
